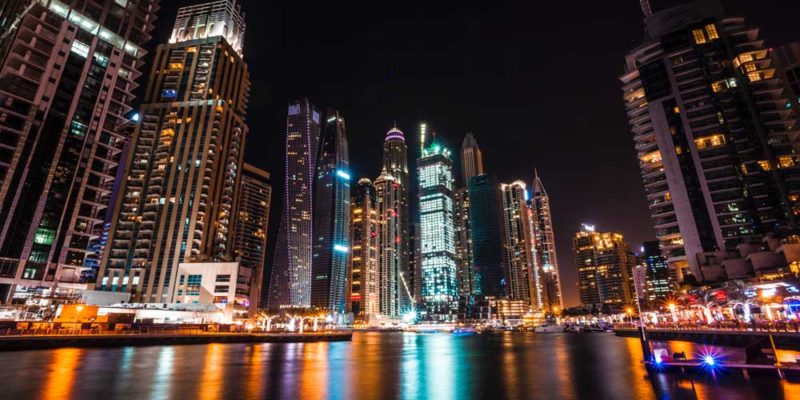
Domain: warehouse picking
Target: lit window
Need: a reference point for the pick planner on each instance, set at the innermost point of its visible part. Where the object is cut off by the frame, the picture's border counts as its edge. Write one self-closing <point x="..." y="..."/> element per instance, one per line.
<point x="765" y="165"/>
<point x="707" y="142"/>
<point x="711" y="29"/>
<point x="699" y="36"/>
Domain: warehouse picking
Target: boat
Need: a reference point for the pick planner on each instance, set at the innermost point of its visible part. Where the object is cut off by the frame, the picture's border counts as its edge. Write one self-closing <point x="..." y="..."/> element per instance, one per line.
<point x="464" y="331"/>
<point x="549" y="328"/>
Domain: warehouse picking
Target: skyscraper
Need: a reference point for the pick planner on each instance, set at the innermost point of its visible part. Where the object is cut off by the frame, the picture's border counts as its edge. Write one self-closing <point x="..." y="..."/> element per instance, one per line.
<point x="290" y="282"/>
<point x="364" y="283"/>
<point x="331" y="229"/>
<point x="715" y="140"/>
<point x="466" y="273"/>
<point x="605" y="267"/>
<point x="659" y="281"/>
<point x="184" y="166"/>
<point x="250" y="231"/>
<point x="546" y="259"/>
<point x="486" y="225"/>
<point x="437" y="233"/>
<point x="523" y="275"/>
<point x="66" y="84"/>
<point x="471" y="158"/>
<point x="393" y="227"/>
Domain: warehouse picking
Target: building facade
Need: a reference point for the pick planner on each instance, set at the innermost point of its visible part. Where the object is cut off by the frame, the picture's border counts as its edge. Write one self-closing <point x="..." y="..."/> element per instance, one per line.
<point x="364" y="274"/>
<point x="66" y="83"/>
<point x="714" y="137"/>
<point x="183" y="169"/>
<point x="331" y="214"/>
<point x="545" y="242"/>
<point x="486" y="227"/>
<point x="605" y="268"/>
<point x="660" y="282"/>
<point x="250" y="231"/>
<point x="437" y="234"/>
<point x="396" y="287"/>
<point x="290" y="282"/>
<point x="471" y="158"/>
<point x="466" y="272"/>
<point x="523" y="276"/>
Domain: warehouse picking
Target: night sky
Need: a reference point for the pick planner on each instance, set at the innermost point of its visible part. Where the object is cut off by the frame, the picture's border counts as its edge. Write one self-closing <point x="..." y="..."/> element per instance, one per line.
<point x="536" y="82"/>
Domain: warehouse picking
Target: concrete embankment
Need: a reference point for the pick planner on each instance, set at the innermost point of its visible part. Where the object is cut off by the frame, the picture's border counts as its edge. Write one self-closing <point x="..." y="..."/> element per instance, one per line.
<point x="783" y="340"/>
<point x="33" y="342"/>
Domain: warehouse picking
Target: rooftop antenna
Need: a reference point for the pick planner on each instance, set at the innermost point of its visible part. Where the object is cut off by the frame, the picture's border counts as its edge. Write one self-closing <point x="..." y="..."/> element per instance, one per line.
<point x="646" y="9"/>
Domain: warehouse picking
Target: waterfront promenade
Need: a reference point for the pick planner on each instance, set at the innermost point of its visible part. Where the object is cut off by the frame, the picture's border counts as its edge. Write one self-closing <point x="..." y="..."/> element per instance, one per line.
<point x="784" y="338"/>
<point x="30" y="341"/>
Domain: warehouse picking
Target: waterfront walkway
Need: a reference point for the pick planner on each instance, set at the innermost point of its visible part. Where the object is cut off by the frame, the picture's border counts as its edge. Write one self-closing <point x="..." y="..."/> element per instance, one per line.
<point x="784" y="339"/>
<point x="110" y="339"/>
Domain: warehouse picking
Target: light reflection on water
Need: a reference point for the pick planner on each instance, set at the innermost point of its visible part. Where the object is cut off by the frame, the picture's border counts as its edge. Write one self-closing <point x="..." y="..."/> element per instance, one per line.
<point x="379" y="366"/>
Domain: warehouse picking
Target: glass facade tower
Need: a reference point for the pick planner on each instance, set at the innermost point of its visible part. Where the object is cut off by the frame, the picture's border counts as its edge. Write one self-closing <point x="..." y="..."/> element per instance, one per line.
<point x="437" y="234"/>
<point x="331" y="250"/>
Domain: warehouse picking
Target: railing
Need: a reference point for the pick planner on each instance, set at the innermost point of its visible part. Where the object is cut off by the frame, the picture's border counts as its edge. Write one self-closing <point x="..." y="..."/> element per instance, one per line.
<point x="780" y="327"/>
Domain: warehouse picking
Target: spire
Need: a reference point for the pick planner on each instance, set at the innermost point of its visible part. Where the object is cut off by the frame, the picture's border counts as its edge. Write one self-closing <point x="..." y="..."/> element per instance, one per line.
<point x="646" y="10"/>
<point x="538" y="187"/>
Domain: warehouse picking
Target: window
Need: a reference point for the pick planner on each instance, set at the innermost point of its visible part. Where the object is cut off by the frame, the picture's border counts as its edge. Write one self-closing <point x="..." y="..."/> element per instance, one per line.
<point x="708" y="142"/>
<point x="711" y="29"/>
<point x="765" y="165"/>
<point x="223" y="278"/>
<point x="699" y="36"/>
<point x="221" y="289"/>
<point x="193" y="285"/>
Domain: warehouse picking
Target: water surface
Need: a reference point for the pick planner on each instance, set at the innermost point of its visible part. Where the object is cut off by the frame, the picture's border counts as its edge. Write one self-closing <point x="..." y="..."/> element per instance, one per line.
<point x="377" y="366"/>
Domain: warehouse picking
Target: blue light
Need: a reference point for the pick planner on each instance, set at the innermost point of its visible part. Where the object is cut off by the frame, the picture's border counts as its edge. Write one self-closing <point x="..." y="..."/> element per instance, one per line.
<point x="342" y="174"/>
<point x="341" y="248"/>
<point x="135" y="117"/>
<point x="709" y="360"/>
<point x="169" y="93"/>
<point x="658" y="359"/>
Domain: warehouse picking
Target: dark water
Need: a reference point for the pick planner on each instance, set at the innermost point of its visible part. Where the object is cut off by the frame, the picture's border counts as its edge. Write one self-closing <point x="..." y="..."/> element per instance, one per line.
<point x="375" y="366"/>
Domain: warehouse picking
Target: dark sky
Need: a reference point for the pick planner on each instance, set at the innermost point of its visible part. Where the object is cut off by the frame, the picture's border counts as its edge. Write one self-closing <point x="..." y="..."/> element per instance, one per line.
<point x="535" y="81"/>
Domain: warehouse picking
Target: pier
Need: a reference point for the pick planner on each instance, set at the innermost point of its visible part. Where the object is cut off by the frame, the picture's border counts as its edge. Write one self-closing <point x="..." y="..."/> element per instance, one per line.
<point x="787" y="340"/>
<point x="49" y="341"/>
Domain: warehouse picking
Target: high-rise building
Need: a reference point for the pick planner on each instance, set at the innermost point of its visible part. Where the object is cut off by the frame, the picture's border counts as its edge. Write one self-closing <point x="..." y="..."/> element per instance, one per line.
<point x="471" y="158"/>
<point x="290" y="282"/>
<point x="364" y="283"/>
<point x="466" y="273"/>
<point x="437" y="233"/>
<point x="331" y="213"/>
<point x="66" y="83"/>
<point x="787" y="67"/>
<point x="715" y="139"/>
<point x="659" y="281"/>
<point x="393" y="227"/>
<point x="250" y="231"/>
<point x="213" y="18"/>
<point x="486" y="227"/>
<point x="605" y="267"/>
<point x="546" y="259"/>
<point x="415" y="265"/>
<point x="184" y="167"/>
<point x="521" y="270"/>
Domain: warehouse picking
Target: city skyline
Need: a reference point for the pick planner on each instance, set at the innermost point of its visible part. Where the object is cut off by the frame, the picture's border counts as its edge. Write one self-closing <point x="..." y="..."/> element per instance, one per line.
<point x="390" y="76"/>
<point x="369" y="119"/>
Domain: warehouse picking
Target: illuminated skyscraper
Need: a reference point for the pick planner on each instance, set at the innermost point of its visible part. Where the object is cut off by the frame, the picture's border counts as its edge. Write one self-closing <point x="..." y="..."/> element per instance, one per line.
<point x="486" y="227"/>
<point x="659" y="280"/>
<point x="546" y="260"/>
<point x="393" y="227"/>
<point x="331" y="249"/>
<point x="471" y="158"/>
<point x="250" y="232"/>
<point x="183" y="170"/>
<point x="605" y="267"/>
<point x="715" y="140"/>
<point x="466" y="273"/>
<point x="364" y="283"/>
<point x="66" y="82"/>
<point x="437" y="238"/>
<point x="523" y="275"/>
<point x="290" y="282"/>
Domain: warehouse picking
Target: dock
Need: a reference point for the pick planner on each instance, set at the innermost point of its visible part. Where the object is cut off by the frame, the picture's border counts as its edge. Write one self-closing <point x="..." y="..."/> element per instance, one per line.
<point x="35" y="342"/>
<point x="786" y="340"/>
